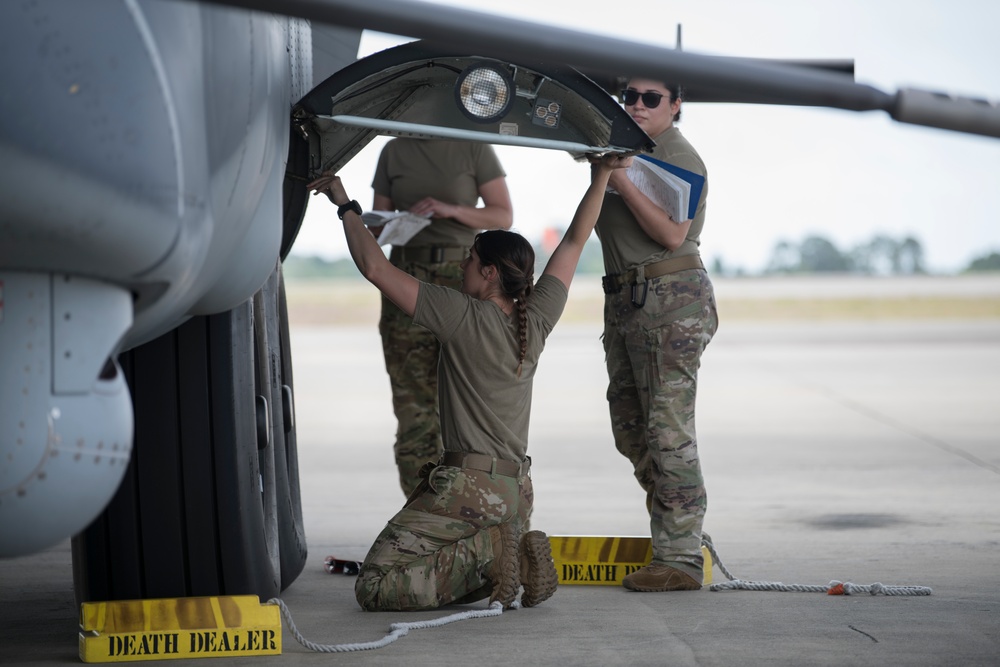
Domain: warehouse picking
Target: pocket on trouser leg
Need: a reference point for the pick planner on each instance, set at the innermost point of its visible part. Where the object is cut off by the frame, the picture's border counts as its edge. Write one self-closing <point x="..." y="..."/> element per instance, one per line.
<point x="413" y="534"/>
<point x="401" y="570"/>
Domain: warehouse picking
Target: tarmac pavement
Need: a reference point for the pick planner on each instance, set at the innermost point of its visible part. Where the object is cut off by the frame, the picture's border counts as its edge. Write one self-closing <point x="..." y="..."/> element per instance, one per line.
<point x="852" y="451"/>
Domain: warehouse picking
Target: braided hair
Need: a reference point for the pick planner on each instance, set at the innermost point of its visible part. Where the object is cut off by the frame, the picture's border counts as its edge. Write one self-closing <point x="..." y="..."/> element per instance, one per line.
<point x="514" y="259"/>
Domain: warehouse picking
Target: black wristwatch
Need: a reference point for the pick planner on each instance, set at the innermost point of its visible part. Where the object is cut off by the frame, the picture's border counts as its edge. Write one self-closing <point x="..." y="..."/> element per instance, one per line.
<point x="352" y="205"/>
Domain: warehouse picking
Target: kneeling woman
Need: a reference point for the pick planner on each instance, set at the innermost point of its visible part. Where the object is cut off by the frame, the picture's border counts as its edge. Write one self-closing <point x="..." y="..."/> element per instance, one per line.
<point x="458" y="538"/>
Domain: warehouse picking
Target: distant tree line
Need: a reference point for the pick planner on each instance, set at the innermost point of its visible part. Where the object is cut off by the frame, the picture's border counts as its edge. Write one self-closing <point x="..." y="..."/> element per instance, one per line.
<point x="881" y="256"/>
<point x="312" y="267"/>
<point x="990" y="262"/>
<point x="308" y="267"/>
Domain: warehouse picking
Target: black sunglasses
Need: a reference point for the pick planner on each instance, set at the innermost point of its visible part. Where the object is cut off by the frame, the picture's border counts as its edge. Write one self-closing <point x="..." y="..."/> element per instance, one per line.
<point x="650" y="99"/>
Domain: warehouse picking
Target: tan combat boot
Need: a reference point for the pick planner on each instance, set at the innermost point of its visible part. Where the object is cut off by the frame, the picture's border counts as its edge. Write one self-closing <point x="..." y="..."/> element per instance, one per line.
<point x="659" y="578"/>
<point x="538" y="570"/>
<point x="503" y="570"/>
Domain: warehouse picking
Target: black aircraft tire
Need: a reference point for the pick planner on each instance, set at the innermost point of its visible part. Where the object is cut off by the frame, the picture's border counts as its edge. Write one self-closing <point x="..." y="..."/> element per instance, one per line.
<point x="291" y="530"/>
<point x="196" y="513"/>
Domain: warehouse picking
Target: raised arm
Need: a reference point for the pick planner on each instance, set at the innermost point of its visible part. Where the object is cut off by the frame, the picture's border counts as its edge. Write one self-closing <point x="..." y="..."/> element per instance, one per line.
<point x="566" y="256"/>
<point x="400" y="287"/>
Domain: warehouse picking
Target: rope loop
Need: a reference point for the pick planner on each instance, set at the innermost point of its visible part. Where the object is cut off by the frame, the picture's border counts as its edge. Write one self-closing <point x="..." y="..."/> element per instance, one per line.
<point x="396" y="630"/>
<point x="847" y="588"/>
<point x="834" y="588"/>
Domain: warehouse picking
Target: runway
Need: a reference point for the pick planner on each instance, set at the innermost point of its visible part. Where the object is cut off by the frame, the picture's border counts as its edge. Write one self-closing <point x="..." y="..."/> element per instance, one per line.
<point x="860" y="451"/>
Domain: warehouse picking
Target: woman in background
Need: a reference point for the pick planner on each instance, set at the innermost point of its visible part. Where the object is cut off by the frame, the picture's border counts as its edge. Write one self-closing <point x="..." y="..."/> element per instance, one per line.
<point x="443" y="180"/>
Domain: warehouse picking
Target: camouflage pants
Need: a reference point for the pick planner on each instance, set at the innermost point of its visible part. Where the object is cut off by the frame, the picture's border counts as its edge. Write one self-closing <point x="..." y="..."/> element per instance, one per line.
<point x="436" y="550"/>
<point x="411" y="359"/>
<point x="653" y="354"/>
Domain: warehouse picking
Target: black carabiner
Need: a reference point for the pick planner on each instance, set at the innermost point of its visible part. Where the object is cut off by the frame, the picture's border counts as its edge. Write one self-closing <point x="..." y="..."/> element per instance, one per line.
<point x="642" y="302"/>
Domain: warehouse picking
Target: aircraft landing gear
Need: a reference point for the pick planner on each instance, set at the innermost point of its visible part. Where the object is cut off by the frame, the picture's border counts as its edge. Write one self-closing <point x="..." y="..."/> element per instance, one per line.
<point x="202" y="509"/>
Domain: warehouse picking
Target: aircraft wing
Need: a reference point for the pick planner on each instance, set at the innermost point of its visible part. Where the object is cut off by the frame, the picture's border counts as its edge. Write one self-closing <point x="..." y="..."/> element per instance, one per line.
<point x="512" y="39"/>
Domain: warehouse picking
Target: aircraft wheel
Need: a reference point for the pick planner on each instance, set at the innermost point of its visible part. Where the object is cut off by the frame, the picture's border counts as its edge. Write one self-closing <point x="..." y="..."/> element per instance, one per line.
<point x="198" y="511"/>
<point x="291" y="532"/>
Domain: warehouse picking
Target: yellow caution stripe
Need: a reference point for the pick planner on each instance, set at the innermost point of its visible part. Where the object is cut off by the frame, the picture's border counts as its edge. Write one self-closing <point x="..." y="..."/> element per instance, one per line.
<point x="172" y="628"/>
<point x="596" y="561"/>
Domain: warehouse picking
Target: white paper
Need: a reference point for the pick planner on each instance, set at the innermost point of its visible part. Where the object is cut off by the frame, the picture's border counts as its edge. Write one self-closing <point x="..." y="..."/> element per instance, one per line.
<point x="669" y="192"/>
<point x="398" y="227"/>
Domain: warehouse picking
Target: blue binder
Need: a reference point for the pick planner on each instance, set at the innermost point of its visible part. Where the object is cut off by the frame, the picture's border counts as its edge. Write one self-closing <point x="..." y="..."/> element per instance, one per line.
<point x="697" y="181"/>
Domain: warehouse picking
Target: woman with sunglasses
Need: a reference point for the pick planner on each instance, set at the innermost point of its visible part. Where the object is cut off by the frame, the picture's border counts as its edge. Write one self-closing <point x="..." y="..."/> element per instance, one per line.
<point x="457" y="538"/>
<point x="659" y="315"/>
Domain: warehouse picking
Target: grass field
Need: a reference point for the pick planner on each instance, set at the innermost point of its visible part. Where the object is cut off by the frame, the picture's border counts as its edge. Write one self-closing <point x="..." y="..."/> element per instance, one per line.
<point x="353" y="301"/>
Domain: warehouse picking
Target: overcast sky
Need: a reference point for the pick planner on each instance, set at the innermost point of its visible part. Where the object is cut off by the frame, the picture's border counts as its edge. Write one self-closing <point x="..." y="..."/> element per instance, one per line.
<point x="780" y="173"/>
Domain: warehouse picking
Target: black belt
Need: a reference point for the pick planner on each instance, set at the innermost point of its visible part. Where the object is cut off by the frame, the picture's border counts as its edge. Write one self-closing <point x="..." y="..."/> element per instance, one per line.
<point x="432" y="254"/>
<point x="490" y="464"/>
<point x="613" y="283"/>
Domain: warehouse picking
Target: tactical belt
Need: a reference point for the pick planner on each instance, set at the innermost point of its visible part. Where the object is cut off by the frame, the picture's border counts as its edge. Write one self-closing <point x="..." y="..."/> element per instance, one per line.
<point x="428" y="254"/>
<point x="489" y="464"/>
<point x="613" y="283"/>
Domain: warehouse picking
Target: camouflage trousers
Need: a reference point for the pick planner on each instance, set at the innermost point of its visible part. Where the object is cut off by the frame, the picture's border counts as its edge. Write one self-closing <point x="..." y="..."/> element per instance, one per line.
<point x="653" y="354"/>
<point x="437" y="549"/>
<point x="411" y="359"/>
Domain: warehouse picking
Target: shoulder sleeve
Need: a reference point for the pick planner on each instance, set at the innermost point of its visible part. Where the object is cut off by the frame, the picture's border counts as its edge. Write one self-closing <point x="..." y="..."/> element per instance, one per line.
<point x="677" y="150"/>
<point x="548" y="299"/>
<point x="440" y="310"/>
<point x="381" y="183"/>
<point x="488" y="165"/>
<point x="689" y="161"/>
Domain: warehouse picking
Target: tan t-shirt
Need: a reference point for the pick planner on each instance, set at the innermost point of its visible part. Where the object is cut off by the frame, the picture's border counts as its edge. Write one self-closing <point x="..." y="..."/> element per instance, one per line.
<point x="624" y="244"/>
<point x="410" y="169"/>
<point x="484" y="405"/>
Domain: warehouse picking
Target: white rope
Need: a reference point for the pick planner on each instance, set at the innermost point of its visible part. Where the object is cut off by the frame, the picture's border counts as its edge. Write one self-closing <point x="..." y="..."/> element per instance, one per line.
<point x="739" y="584"/>
<point x="396" y="630"/>
<point x="834" y="588"/>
